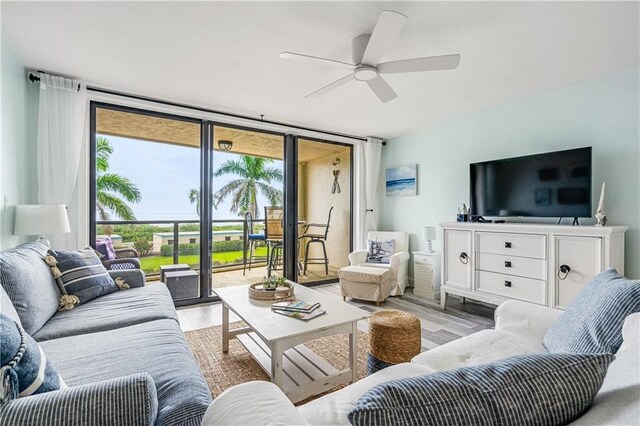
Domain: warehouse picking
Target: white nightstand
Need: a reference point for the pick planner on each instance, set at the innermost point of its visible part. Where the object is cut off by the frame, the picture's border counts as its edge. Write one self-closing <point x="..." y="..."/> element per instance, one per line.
<point x="426" y="274"/>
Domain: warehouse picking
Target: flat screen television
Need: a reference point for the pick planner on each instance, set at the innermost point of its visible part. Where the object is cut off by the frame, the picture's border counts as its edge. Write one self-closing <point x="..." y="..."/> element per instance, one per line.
<point x="553" y="184"/>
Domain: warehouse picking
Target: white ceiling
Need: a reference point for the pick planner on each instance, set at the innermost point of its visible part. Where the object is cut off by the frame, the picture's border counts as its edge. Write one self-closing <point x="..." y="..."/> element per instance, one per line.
<point x="224" y="55"/>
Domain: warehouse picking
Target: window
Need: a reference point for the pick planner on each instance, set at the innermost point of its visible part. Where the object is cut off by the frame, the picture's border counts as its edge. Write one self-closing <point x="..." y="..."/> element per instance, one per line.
<point x="227" y="238"/>
<point x="192" y="240"/>
<point x="170" y="242"/>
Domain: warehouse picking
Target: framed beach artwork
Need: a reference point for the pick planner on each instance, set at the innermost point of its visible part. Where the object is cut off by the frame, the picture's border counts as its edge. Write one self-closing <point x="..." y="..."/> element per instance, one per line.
<point x="402" y="180"/>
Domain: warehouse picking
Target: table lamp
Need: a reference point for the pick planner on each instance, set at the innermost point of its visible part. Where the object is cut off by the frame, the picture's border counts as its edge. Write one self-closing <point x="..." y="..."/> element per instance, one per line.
<point x="41" y="219"/>
<point x="429" y="234"/>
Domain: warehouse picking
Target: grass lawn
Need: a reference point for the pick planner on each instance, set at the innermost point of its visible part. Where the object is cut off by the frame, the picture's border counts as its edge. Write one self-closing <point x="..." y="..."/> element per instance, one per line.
<point x="151" y="264"/>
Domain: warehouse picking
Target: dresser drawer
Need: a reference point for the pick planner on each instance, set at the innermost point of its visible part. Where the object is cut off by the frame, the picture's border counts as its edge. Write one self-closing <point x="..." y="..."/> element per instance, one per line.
<point x="527" y="267"/>
<point x="511" y="286"/>
<point x="524" y="245"/>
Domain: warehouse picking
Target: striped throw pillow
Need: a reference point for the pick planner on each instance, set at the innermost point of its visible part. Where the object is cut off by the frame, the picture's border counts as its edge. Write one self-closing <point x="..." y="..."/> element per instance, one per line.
<point x="592" y="323"/>
<point x="25" y="369"/>
<point x="540" y="389"/>
<point x="80" y="276"/>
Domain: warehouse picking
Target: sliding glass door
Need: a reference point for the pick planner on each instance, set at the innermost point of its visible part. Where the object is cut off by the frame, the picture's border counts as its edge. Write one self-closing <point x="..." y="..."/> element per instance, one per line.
<point x="203" y="205"/>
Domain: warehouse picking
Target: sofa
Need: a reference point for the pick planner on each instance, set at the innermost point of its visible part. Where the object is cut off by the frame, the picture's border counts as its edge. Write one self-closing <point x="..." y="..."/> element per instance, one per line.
<point x="123" y="355"/>
<point x="398" y="262"/>
<point x="520" y="328"/>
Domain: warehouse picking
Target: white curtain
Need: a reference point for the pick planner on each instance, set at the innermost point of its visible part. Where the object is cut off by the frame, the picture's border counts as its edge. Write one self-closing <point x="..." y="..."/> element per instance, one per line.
<point x="61" y="123"/>
<point x="367" y="171"/>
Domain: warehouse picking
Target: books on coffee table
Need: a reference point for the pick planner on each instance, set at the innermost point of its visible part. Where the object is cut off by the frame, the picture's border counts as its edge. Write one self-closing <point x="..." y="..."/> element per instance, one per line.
<point x="300" y="315"/>
<point x="295" y="306"/>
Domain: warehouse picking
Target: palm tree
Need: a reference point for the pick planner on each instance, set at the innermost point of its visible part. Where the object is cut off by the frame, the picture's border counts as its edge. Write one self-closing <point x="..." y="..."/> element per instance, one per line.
<point x="113" y="190"/>
<point x="194" y="197"/>
<point x="254" y="177"/>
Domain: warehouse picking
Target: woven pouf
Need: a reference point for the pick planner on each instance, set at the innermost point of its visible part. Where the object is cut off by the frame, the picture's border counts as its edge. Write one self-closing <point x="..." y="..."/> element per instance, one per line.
<point x="394" y="337"/>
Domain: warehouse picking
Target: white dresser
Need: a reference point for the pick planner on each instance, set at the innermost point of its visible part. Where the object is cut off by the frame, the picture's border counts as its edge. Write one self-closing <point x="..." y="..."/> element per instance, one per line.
<point x="543" y="264"/>
<point x="426" y="274"/>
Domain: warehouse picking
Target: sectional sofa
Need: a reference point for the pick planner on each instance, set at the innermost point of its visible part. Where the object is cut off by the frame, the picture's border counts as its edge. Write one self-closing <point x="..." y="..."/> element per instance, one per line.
<point x="123" y="355"/>
<point x="520" y="328"/>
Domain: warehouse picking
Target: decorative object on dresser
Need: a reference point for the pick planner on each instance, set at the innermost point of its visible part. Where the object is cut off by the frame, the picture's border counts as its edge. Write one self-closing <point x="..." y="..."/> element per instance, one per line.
<point x="543" y="264"/>
<point x="429" y="235"/>
<point x="600" y="216"/>
<point x="41" y="219"/>
<point x="426" y="274"/>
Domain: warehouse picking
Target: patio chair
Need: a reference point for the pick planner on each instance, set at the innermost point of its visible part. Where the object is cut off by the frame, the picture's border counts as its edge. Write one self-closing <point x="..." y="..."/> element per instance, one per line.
<point x="316" y="233"/>
<point x="274" y="233"/>
<point x="250" y="241"/>
<point x="116" y="259"/>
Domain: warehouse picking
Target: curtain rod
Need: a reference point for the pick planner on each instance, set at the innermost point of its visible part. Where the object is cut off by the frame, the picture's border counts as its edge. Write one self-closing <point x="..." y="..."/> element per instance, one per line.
<point x="34" y="78"/>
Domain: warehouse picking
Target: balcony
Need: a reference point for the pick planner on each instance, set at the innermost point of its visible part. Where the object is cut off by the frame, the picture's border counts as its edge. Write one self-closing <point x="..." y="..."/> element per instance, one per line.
<point x="166" y="242"/>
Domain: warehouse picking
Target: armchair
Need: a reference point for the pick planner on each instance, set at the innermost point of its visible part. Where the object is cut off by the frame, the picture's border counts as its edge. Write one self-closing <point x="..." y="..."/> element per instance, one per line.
<point x="126" y="258"/>
<point x="398" y="263"/>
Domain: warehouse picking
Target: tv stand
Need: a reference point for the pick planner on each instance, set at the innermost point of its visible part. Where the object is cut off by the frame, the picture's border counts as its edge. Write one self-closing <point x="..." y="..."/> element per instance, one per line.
<point x="538" y="263"/>
<point x="576" y="222"/>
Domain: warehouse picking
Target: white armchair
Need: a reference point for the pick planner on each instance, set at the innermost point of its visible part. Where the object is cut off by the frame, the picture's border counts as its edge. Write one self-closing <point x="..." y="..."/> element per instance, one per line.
<point x="398" y="263"/>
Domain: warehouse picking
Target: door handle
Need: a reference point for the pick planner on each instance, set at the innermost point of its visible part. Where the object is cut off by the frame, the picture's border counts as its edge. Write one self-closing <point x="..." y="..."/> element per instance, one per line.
<point x="507" y="264"/>
<point x="507" y="244"/>
<point x="563" y="272"/>
<point x="464" y="258"/>
<point x="507" y="283"/>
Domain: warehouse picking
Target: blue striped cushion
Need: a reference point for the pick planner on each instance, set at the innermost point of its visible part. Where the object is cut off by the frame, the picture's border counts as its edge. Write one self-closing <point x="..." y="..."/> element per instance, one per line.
<point x="25" y="369"/>
<point x="540" y="389"/>
<point x="593" y="321"/>
<point x="80" y="276"/>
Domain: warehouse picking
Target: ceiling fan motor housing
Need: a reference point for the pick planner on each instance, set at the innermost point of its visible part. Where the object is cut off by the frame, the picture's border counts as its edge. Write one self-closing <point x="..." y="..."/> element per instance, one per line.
<point x="365" y="73"/>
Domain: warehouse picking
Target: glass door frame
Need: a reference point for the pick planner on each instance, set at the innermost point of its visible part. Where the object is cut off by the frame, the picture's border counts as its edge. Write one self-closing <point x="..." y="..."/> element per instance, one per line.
<point x="207" y="148"/>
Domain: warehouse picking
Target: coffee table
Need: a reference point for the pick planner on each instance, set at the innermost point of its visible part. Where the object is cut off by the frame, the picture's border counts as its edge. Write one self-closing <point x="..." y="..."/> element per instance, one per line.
<point x="276" y="341"/>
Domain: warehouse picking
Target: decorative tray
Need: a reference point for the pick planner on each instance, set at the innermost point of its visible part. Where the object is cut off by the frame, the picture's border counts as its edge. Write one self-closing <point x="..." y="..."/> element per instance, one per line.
<point x="259" y="292"/>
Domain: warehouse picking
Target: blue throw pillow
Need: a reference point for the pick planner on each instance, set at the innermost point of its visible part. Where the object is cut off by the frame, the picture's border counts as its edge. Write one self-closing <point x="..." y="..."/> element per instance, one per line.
<point x="593" y="321"/>
<point x="379" y="251"/>
<point x="539" y="389"/>
<point x="80" y="276"/>
<point x="25" y="369"/>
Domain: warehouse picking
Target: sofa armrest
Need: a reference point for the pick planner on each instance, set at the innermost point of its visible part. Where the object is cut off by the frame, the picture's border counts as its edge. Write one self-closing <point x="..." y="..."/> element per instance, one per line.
<point x="133" y="277"/>
<point x="124" y="400"/>
<point x="356" y="257"/>
<point x="525" y="319"/>
<point x="253" y="403"/>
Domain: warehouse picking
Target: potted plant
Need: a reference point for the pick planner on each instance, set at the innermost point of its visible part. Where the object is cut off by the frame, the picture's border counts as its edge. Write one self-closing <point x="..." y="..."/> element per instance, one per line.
<point x="271" y="283"/>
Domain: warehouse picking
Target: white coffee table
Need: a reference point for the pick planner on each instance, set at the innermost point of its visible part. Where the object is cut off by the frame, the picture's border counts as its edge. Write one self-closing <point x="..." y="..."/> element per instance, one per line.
<point x="276" y="341"/>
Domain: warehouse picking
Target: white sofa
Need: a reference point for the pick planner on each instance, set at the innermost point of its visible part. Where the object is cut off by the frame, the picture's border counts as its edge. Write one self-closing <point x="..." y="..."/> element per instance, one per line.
<point x="398" y="263"/>
<point x="520" y="328"/>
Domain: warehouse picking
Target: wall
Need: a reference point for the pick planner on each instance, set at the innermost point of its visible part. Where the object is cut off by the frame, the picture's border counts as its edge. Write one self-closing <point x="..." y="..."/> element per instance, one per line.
<point x="603" y="114"/>
<point x="319" y="199"/>
<point x="18" y="144"/>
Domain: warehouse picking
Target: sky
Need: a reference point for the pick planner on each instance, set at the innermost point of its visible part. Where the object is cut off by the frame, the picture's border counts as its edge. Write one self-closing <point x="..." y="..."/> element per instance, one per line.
<point x="165" y="174"/>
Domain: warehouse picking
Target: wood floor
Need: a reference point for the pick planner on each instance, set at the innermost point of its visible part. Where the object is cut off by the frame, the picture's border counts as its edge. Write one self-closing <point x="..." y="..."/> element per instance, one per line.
<point x="438" y="326"/>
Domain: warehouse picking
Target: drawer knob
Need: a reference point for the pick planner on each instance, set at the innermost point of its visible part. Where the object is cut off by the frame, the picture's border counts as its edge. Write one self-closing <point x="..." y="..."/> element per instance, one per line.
<point x="563" y="272"/>
<point x="507" y="283"/>
<point x="464" y="258"/>
<point x="507" y="264"/>
<point x="507" y="244"/>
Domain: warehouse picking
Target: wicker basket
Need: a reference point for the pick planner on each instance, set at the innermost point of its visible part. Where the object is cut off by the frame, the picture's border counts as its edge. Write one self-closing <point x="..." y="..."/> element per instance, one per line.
<point x="256" y="291"/>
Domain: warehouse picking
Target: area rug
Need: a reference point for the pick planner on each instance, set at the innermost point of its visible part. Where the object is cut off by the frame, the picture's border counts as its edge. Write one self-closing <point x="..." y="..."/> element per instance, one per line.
<point x="222" y="371"/>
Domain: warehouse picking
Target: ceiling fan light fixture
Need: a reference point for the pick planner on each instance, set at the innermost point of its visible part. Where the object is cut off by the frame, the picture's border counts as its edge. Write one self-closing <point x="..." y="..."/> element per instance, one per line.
<point x="365" y="73"/>
<point x="225" y="145"/>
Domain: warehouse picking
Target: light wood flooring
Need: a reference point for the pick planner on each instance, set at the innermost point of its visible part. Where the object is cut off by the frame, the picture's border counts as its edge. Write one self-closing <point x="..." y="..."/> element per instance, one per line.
<point x="438" y="326"/>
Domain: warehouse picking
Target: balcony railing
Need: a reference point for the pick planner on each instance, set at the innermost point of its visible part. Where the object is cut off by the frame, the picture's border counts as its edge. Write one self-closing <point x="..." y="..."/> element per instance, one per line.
<point x="164" y="242"/>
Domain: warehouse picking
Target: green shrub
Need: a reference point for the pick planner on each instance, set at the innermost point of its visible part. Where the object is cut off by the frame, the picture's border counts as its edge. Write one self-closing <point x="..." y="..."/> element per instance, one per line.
<point x="143" y="246"/>
<point x="166" y="250"/>
<point x="234" y="245"/>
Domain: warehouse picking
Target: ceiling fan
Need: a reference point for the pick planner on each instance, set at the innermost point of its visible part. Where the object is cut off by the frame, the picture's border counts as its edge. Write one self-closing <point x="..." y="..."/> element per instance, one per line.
<point x="368" y="50"/>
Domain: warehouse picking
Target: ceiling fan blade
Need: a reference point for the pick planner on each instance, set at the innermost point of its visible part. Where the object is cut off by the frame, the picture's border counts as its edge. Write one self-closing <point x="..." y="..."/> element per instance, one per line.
<point x="384" y="34"/>
<point x="431" y="63"/>
<point x="315" y="60"/>
<point x="331" y="86"/>
<point x="381" y="88"/>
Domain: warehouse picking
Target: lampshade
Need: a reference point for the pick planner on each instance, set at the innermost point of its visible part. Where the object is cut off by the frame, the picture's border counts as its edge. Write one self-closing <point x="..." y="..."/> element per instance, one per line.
<point x="41" y="219"/>
<point x="428" y="233"/>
